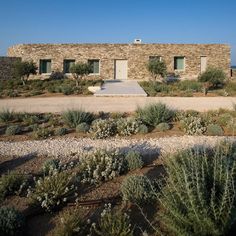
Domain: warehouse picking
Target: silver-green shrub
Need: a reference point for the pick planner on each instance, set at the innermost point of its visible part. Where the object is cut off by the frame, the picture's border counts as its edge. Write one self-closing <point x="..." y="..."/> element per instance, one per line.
<point x="113" y="223"/>
<point x="138" y="189"/>
<point x="143" y="129"/>
<point x="13" y="130"/>
<point x="101" y="165"/>
<point x="198" y="195"/>
<point x="76" y="117"/>
<point x="128" y="126"/>
<point x="134" y="160"/>
<point x="11" y="222"/>
<point x="61" y="131"/>
<point x="193" y="125"/>
<point x="163" y="127"/>
<point x="214" y="130"/>
<point x="82" y="128"/>
<point x="52" y="191"/>
<point x="71" y="223"/>
<point x="155" y="114"/>
<point x="12" y="183"/>
<point x="103" y="128"/>
<point x="50" y="166"/>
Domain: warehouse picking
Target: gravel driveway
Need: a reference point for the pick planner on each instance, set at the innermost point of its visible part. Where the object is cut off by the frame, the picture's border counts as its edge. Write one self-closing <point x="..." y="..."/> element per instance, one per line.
<point x="113" y="104"/>
<point x="65" y="147"/>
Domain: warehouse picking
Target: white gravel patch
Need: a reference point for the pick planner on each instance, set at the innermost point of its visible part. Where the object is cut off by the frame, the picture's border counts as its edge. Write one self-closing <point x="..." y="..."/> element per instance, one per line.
<point x="71" y="147"/>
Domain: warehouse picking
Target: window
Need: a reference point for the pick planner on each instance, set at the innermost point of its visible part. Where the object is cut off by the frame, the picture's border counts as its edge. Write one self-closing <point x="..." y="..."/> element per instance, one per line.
<point x="67" y="65"/>
<point x="45" y="66"/>
<point x="154" y="58"/>
<point x="179" y="63"/>
<point x="95" y="66"/>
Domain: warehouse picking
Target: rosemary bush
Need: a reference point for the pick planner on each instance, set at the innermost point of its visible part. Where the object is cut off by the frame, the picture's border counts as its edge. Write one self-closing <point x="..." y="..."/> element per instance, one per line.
<point x="137" y="189"/>
<point x="198" y="196"/>
<point x="134" y="160"/>
<point x="53" y="190"/>
<point x="11" y="222"/>
<point x="101" y="165"/>
<point x="11" y="183"/>
<point x="71" y="223"/>
<point x="113" y="223"/>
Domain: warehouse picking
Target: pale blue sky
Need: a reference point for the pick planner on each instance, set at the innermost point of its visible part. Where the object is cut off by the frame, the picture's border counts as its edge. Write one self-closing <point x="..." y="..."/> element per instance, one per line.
<point x="109" y="21"/>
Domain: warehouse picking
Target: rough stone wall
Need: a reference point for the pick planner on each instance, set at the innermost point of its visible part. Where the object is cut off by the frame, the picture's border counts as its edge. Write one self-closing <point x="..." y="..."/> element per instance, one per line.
<point x="218" y="55"/>
<point x="6" y="64"/>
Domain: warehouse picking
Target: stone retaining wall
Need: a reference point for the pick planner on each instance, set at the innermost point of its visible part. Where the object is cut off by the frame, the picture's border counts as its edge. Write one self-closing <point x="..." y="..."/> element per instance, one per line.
<point x="6" y="64"/>
<point x="218" y="55"/>
<point x="233" y="73"/>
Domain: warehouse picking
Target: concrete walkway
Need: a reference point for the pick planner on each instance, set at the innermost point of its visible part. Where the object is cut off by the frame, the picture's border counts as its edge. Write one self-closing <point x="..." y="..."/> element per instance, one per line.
<point x="113" y="104"/>
<point x="124" y="88"/>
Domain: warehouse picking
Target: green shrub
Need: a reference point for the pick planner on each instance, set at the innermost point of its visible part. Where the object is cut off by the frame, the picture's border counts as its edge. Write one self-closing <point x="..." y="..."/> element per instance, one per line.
<point x="7" y="115"/>
<point x="224" y="119"/>
<point x="134" y="160"/>
<point x="214" y="130"/>
<point x="13" y="130"/>
<point x="30" y="119"/>
<point x="128" y="126"/>
<point x="12" y="93"/>
<point x="11" y="183"/>
<point x="103" y="128"/>
<point x="113" y="223"/>
<point x="143" y="129"/>
<point x="71" y="223"/>
<point x="189" y="85"/>
<point x="11" y="222"/>
<point x="76" y="117"/>
<point x="61" y="131"/>
<point x="137" y="189"/>
<point x="33" y="127"/>
<point x="52" y="191"/>
<point x="155" y="114"/>
<point x="42" y="133"/>
<point x="49" y="166"/>
<point x="163" y="127"/>
<point x="193" y="125"/>
<point x="160" y="87"/>
<point x="198" y="195"/>
<point x="82" y="128"/>
<point x="67" y="89"/>
<point x="214" y="76"/>
<point x="101" y="165"/>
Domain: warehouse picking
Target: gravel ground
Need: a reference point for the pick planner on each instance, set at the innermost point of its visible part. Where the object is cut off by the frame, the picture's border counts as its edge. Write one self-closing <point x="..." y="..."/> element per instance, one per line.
<point x="68" y="148"/>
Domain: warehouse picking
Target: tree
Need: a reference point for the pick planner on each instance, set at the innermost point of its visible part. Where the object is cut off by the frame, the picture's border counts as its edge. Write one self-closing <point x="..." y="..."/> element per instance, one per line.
<point x="157" y="68"/>
<point x="24" y="69"/>
<point x="79" y="70"/>
<point x="212" y="78"/>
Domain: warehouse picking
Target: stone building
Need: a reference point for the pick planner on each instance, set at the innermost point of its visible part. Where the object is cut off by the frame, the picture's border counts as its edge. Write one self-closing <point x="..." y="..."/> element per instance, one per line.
<point x="125" y="61"/>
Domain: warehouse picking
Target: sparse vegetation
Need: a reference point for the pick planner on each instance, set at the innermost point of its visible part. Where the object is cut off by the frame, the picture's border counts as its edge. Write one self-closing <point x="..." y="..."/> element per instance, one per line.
<point x="11" y="222"/>
<point x="155" y="114"/>
<point x="198" y="196"/>
<point x="76" y="117"/>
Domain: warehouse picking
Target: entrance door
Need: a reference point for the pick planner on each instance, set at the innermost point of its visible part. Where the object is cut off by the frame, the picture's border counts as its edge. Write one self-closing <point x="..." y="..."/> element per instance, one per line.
<point x="203" y="64"/>
<point x="121" y="69"/>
